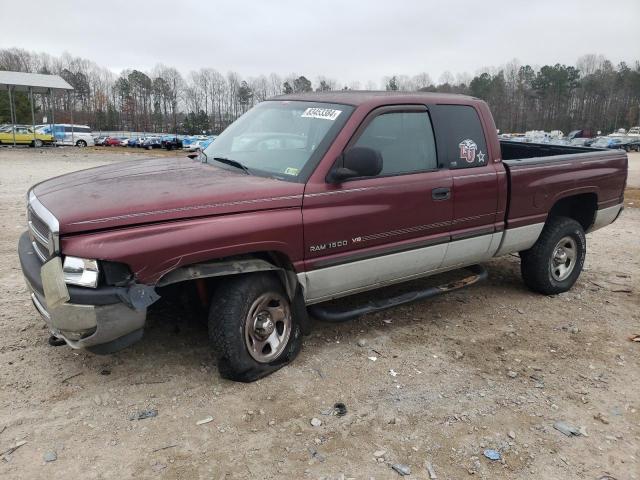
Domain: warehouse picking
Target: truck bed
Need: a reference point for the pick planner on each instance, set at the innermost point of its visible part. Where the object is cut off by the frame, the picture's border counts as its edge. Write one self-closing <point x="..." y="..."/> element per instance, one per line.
<point x="539" y="175"/>
<point x="520" y="150"/>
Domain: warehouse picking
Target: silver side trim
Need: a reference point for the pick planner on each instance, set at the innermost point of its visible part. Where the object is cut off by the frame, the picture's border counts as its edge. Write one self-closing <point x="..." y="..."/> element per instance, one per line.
<point x="358" y="276"/>
<point x="605" y="216"/>
<point x="519" y="239"/>
<point x="471" y="250"/>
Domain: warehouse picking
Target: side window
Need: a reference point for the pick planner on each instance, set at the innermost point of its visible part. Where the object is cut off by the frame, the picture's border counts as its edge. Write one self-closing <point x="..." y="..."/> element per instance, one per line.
<point x="460" y="134"/>
<point x="405" y="140"/>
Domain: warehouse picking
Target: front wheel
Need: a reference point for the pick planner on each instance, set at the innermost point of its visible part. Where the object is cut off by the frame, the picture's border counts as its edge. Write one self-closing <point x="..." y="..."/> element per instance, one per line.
<point x="37" y="143"/>
<point x="555" y="261"/>
<point x="252" y="327"/>
<point x="81" y="143"/>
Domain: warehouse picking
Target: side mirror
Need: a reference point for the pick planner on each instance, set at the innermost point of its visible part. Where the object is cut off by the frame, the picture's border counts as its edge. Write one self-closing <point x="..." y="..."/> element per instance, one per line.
<point x="357" y="162"/>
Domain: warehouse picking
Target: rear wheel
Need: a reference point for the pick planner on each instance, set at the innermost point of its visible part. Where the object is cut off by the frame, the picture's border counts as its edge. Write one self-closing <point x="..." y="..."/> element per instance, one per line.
<point x="37" y="143"/>
<point x="555" y="261"/>
<point x="252" y="327"/>
<point x="81" y="143"/>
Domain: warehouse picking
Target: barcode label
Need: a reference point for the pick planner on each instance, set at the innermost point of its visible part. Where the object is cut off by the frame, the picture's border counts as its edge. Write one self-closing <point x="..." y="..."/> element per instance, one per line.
<point x="324" y="113"/>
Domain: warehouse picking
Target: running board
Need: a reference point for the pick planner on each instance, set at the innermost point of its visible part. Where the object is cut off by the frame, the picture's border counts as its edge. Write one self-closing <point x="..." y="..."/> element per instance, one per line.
<point x="342" y="314"/>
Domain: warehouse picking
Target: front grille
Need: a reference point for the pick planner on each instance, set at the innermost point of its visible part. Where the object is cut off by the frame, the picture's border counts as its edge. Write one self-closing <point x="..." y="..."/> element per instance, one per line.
<point x="38" y="223"/>
<point x="43" y="238"/>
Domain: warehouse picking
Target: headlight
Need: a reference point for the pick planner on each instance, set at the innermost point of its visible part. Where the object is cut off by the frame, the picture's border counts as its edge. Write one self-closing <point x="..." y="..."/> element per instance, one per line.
<point x="81" y="271"/>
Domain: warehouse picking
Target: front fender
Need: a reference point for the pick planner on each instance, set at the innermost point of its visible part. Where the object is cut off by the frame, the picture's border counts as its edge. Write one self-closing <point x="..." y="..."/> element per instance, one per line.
<point x="153" y="251"/>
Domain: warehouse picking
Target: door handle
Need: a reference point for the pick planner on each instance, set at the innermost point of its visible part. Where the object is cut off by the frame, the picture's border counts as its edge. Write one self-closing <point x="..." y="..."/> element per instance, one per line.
<point x="443" y="193"/>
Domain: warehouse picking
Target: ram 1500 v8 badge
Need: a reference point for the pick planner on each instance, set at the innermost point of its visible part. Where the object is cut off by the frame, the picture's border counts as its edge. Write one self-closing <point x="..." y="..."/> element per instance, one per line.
<point x="304" y="199"/>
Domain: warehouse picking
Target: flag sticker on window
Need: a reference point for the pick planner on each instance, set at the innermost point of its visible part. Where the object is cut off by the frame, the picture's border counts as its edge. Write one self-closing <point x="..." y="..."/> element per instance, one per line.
<point x="324" y="113"/>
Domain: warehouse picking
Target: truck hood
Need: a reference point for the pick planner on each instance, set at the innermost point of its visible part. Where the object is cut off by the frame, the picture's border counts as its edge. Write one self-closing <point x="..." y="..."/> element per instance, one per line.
<point x="158" y="190"/>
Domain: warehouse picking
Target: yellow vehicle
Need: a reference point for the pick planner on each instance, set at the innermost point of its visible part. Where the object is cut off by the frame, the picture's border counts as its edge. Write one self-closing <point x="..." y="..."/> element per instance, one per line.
<point x="25" y="136"/>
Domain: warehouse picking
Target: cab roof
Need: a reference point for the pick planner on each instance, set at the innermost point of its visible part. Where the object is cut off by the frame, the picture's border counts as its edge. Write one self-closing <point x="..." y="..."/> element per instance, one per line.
<point x="361" y="97"/>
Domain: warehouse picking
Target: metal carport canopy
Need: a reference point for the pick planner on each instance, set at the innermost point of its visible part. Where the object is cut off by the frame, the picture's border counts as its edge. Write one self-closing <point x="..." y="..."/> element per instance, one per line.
<point x="32" y="83"/>
<point x="37" y="82"/>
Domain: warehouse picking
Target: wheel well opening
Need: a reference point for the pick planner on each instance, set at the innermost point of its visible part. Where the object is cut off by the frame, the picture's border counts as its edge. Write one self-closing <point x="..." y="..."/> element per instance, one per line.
<point x="199" y="286"/>
<point x="582" y="208"/>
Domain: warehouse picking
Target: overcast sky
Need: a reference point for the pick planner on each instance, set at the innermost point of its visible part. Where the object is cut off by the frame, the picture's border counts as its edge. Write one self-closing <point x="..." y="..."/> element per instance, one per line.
<point x="347" y="40"/>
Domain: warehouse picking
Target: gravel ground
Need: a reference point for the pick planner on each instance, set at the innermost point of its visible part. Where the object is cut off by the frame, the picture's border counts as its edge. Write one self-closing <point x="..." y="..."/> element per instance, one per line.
<point x="491" y="367"/>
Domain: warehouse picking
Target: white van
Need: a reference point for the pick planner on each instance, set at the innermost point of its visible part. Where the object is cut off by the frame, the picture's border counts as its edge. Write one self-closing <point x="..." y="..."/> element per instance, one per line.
<point x="68" y="134"/>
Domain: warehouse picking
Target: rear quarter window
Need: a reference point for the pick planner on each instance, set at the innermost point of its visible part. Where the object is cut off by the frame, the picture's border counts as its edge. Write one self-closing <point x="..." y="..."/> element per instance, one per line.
<point x="460" y="136"/>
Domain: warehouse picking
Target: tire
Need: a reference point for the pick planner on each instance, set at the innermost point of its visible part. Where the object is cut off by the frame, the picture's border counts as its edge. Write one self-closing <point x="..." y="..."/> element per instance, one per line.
<point x="37" y="143"/>
<point x="81" y="143"/>
<point x="555" y="261"/>
<point x="242" y="344"/>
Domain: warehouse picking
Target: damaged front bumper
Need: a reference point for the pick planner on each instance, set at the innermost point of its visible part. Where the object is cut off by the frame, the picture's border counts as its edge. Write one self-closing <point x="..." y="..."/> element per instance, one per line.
<point x="102" y="320"/>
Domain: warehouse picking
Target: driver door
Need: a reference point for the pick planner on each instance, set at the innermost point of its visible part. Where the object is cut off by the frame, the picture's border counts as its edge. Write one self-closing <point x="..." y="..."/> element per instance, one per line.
<point x="369" y="232"/>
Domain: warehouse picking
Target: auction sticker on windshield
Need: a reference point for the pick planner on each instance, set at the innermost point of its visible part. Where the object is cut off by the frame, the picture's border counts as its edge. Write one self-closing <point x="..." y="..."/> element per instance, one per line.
<point x="324" y="113"/>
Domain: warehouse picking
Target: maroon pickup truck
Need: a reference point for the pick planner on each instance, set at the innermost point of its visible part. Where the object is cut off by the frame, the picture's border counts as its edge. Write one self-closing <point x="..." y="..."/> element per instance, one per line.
<point x="304" y="199"/>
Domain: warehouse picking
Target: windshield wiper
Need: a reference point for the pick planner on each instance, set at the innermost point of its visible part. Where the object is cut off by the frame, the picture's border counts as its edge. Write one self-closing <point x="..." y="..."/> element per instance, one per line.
<point x="233" y="163"/>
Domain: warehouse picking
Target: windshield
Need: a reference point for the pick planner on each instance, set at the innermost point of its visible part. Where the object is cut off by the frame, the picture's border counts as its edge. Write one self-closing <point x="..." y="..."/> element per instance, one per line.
<point x="283" y="139"/>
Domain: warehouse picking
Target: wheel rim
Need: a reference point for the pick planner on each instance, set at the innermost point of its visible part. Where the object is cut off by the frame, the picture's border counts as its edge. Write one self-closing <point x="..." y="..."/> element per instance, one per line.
<point x="267" y="327"/>
<point x="38" y="143"/>
<point x="563" y="258"/>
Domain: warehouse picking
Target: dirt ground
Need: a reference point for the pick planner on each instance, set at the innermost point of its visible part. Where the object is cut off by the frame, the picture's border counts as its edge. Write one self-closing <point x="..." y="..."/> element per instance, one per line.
<point x="491" y="367"/>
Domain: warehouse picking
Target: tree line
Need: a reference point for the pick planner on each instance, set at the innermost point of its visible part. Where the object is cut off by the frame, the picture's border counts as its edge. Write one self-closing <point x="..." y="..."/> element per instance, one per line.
<point x="593" y="94"/>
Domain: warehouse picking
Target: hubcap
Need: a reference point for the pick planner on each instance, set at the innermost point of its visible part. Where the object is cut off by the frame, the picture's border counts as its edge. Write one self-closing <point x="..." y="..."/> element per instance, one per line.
<point x="267" y="327"/>
<point x="563" y="259"/>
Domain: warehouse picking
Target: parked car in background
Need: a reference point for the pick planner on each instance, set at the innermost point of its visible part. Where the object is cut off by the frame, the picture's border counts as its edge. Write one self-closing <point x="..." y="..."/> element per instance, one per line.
<point x="601" y="142"/>
<point x="25" y="136"/>
<point x="112" y="142"/>
<point x="70" y="134"/>
<point x="135" y="142"/>
<point x="585" y="133"/>
<point x="579" y="141"/>
<point x="205" y="143"/>
<point x="629" y="144"/>
<point x="124" y="142"/>
<point x="610" y="142"/>
<point x="152" y="142"/>
<point x="633" y="145"/>
<point x="99" y="141"/>
<point x="188" y="141"/>
<point x="197" y="145"/>
<point x="171" y="142"/>
<point x="590" y="141"/>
